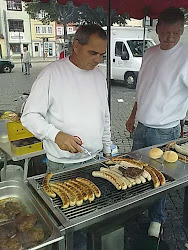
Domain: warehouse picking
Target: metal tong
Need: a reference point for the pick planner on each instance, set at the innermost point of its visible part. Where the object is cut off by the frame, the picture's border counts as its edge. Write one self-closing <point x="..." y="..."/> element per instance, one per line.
<point x="90" y="154"/>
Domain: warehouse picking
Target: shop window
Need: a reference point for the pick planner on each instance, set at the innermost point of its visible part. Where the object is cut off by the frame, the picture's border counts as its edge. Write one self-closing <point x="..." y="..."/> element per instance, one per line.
<point x="14" y="5"/>
<point x="16" y="25"/>
<point x="15" y="48"/>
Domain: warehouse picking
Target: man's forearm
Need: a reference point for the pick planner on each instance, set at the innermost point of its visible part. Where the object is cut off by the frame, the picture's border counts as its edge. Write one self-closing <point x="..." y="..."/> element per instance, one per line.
<point x="133" y="113"/>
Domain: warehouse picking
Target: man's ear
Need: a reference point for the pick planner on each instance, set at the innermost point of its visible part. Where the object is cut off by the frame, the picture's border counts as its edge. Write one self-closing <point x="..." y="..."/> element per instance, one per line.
<point x="75" y="45"/>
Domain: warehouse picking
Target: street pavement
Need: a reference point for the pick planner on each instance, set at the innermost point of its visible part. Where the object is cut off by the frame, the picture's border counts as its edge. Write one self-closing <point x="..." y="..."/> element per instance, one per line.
<point x="122" y="99"/>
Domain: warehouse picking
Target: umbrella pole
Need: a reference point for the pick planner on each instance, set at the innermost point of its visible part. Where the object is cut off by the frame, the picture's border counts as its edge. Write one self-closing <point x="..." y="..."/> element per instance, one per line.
<point x="108" y="54"/>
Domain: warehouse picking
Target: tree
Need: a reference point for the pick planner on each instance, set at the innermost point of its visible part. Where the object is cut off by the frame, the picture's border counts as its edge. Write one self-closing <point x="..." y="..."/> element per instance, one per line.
<point x="64" y="14"/>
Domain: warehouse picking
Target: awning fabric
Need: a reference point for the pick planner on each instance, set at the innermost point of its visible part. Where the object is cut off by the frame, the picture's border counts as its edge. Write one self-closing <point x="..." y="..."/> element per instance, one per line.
<point x="135" y="8"/>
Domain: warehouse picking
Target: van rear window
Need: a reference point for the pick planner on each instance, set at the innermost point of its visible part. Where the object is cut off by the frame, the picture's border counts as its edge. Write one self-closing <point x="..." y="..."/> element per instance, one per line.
<point x="136" y="46"/>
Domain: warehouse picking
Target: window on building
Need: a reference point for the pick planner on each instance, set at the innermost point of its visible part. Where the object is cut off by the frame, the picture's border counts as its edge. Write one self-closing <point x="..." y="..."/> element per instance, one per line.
<point x="70" y="30"/>
<point x="49" y="29"/>
<point x="15" y="48"/>
<point x="37" y="29"/>
<point x="44" y="29"/>
<point x="16" y="25"/>
<point x="59" y="31"/>
<point x="14" y="5"/>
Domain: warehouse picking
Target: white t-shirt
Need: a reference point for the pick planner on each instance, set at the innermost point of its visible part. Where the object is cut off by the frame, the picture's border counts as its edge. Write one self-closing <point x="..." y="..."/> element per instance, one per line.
<point x="68" y="99"/>
<point x="162" y="88"/>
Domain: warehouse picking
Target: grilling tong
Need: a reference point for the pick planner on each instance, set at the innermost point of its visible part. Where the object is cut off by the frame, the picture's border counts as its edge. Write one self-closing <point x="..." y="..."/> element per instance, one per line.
<point x="90" y="154"/>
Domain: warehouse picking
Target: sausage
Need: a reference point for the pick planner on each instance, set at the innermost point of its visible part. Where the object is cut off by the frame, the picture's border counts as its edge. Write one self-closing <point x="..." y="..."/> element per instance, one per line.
<point x="79" y="198"/>
<point x="143" y="180"/>
<point x="132" y="181"/>
<point x="159" y="175"/>
<point x="107" y="177"/>
<point x="130" y="164"/>
<point x="91" y="185"/>
<point x="154" y="177"/>
<point x="169" y="145"/>
<point x="129" y="184"/>
<point x="116" y="176"/>
<point x="138" y="181"/>
<point x="46" y="186"/>
<point x="70" y="194"/>
<point x="138" y="163"/>
<point x="116" y="169"/>
<point x="59" y="191"/>
<point x="86" y="189"/>
<point x="79" y="188"/>
<point x="182" y="158"/>
<point x="181" y="149"/>
<point x="127" y="162"/>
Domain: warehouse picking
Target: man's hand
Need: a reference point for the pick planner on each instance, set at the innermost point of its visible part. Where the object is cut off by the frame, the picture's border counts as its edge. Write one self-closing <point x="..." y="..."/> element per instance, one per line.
<point x="130" y="124"/>
<point x="68" y="142"/>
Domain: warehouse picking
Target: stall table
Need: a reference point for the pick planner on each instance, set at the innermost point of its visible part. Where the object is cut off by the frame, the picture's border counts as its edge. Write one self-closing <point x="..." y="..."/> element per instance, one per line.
<point x="9" y="155"/>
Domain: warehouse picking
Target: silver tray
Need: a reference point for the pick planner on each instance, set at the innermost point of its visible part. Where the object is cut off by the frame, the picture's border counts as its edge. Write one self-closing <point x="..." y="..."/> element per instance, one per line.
<point x="19" y="190"/>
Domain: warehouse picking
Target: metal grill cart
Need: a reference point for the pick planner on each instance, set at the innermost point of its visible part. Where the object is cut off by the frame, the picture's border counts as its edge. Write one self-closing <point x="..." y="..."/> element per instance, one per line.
<point x="113" y="205"/>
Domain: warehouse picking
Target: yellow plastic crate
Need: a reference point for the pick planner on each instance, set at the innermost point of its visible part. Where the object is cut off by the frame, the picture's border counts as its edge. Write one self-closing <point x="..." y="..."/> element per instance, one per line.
<point x="22" y="140"/>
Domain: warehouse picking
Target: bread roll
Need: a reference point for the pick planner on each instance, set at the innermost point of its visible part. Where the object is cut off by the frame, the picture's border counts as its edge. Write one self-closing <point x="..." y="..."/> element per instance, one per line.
<point x="170" y="156"/>
<point x="155" y="153"/>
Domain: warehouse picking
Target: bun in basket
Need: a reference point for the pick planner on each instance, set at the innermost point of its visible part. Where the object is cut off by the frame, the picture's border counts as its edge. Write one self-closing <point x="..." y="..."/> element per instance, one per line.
<point x="170" y="156"/>
<point x="155" y="153"/>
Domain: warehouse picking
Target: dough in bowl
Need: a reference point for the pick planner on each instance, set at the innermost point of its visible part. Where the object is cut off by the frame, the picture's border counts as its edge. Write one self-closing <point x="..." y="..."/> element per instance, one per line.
<point x="155" y="153"/>
<point x="170" y="156"/>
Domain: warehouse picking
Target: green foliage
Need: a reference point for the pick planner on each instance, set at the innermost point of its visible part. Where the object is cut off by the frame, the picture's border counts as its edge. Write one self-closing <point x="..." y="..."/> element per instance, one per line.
<point x="64" y="14"/>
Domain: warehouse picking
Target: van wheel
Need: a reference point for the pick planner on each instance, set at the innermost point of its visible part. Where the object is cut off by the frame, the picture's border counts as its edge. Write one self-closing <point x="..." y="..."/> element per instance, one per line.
<point x="130" y="80"/>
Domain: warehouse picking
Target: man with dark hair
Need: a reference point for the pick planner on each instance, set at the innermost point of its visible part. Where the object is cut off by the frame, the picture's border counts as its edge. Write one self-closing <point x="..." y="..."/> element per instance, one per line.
<point x="161" y="95"/>
<point x="68" y="103"/>
<point x="68" y="99"/>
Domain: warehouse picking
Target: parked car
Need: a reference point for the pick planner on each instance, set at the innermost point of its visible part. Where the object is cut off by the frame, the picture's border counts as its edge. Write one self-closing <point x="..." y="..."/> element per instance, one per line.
<point x="6" y="66"/>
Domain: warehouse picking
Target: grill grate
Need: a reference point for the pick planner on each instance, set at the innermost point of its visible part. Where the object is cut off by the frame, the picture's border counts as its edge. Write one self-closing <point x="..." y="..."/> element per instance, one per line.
<point x="110" y="195"/>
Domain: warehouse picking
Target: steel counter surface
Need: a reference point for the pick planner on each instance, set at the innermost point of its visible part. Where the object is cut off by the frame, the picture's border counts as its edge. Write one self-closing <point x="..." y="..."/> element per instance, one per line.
<point x="112" y="202"/>
<point x="177" y="170"/>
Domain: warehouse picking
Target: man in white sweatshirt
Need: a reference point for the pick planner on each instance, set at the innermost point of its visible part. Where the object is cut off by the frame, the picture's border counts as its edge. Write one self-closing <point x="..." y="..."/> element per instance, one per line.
<point x="161" y="95"/>
<point x="69" y="101"/>
<point x="68" y="104"/>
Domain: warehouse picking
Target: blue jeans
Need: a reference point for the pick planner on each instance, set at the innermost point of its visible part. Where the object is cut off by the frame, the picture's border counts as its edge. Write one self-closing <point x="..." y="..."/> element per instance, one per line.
<point x="145" y="137"/>
<point x="27" y="69"/>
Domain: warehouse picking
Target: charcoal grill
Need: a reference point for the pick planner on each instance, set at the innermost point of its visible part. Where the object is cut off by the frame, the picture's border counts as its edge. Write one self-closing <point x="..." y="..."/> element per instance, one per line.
<point x="112" y="202"/>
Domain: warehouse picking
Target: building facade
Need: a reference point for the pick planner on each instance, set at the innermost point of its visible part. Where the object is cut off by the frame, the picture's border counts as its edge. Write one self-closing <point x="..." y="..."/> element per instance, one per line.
<point x="14" y="28"/>
<point x="43" y="39"/>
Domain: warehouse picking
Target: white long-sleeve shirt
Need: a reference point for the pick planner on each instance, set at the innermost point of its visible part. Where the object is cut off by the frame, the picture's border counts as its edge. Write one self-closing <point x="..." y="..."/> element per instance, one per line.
<point x="68" y="99"/>
<point x="162" y="88"/>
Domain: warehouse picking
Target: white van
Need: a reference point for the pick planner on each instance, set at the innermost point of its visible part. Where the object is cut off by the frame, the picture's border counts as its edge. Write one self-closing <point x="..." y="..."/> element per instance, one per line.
<point x="126" y="54"/>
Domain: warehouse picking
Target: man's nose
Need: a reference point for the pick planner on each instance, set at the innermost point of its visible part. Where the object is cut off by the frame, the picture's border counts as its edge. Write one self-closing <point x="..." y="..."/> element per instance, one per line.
<point x="98" y="58"/>
<point x="170" y="37"/>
